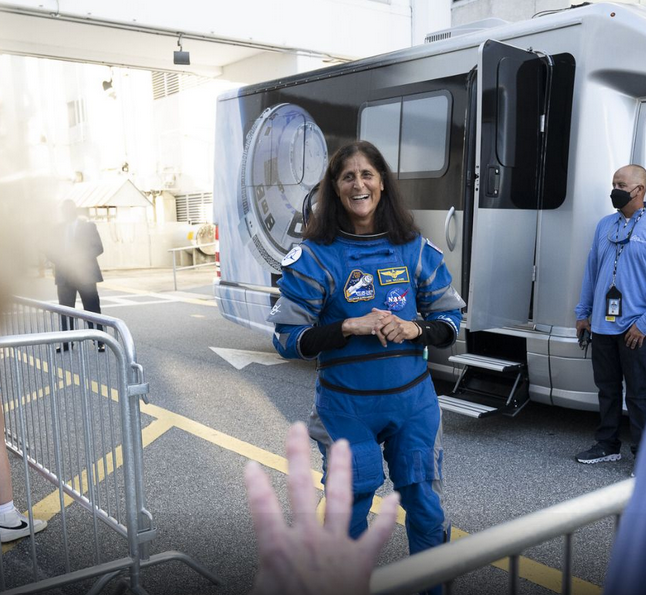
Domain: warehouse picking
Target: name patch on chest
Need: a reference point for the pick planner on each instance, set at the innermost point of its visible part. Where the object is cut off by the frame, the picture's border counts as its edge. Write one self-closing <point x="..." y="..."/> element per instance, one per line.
<point x="393" y="275"/>
<point x="359" y="287"/>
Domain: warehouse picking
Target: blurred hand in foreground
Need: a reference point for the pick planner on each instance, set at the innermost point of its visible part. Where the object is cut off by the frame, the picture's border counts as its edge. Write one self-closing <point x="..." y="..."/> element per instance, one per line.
<point x="309" y="558"/>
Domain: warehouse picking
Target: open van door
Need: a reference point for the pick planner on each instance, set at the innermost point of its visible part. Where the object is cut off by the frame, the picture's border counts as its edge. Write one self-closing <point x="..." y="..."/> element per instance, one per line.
<point x="509" y="152"/>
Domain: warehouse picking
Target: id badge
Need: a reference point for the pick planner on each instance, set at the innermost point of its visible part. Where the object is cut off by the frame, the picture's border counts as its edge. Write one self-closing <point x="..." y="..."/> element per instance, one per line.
<point x="613" y="304"/>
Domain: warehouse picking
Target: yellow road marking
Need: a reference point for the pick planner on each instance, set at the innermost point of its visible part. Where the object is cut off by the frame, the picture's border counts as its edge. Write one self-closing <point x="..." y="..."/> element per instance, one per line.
<point x="535" y="572"/>
<point x="50" y="505"/>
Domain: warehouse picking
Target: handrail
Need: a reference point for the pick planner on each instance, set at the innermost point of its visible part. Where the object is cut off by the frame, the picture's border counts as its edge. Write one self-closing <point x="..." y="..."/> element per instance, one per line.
<point x="193" y="266"/>
<point x="192" y="247"/>
<point x="445" y="563"/>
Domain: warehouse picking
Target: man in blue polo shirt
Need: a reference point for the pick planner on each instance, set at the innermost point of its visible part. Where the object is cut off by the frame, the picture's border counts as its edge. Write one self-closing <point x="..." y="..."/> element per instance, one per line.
<point x="613" y="308"/>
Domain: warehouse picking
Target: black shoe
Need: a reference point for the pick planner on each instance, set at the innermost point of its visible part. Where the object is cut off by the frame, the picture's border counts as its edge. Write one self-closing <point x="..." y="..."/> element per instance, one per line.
<point x="101" y="348"/>
<point x="598" y="453"/>
<point x="65" y="347"/>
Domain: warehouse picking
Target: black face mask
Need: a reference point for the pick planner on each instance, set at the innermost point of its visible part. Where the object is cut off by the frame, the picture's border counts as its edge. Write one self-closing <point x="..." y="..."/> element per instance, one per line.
<point x="620" y="198"/>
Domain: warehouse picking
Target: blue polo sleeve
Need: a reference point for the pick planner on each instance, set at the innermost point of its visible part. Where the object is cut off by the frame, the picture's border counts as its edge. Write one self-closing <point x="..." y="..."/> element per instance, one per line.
<point x="583" y="309"/>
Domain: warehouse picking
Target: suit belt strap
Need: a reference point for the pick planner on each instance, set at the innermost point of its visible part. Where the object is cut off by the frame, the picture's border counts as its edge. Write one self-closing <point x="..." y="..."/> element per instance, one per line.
<point x="353" y="359"/>
<point x="366" y="393"/>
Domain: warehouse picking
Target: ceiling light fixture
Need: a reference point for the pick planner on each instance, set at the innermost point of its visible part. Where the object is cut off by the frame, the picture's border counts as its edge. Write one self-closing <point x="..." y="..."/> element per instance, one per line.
<point x="181" y="57"/>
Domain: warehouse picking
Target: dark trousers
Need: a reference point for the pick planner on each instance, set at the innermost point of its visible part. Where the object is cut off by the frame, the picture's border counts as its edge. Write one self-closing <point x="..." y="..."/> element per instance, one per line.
<point x="613" y="362"/>
<point x="89" y="296"/>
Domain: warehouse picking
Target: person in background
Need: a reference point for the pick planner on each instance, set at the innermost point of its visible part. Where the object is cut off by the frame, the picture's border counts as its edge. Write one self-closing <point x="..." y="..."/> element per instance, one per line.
<point x="613" y="308"/>
<point x="351" y="296"/>
<point x="74" y="249"/>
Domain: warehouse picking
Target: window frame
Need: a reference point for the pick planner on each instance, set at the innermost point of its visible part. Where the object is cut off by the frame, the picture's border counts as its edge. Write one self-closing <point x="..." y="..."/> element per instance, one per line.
<point x="402" y="99"/>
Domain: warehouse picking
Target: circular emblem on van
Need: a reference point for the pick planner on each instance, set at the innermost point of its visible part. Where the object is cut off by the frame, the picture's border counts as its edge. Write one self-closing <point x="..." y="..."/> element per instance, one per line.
<point x="285" y="155"/>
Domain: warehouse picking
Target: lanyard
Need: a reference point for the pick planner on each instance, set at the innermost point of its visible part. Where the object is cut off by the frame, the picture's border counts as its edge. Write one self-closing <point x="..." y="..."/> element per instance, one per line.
<point x="620" y="245"/>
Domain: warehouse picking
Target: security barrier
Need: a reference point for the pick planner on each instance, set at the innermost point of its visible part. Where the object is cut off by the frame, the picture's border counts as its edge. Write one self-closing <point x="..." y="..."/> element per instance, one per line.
<point x="70" y="400"/>
<point x="446" y="563"/>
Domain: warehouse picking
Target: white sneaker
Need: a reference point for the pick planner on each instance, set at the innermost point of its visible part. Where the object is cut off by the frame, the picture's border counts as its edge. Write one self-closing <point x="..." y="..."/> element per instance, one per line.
<point x="14" y="525"/>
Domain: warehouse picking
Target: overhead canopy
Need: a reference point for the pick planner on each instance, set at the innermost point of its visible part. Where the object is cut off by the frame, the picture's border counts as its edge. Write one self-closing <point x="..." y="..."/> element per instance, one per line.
<point x="112" y="193"/>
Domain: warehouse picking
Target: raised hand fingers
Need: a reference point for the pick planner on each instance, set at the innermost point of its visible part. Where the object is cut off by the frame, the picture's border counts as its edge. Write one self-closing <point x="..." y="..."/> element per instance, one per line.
<point x="381" y="529"/>
<point x="265" y="509"/>
<point x="299" y="481"/>
<point x="338" y="490"/>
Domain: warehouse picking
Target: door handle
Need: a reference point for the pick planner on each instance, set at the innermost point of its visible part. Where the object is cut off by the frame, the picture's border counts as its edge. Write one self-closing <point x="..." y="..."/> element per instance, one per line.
<point x="447" y="232"/>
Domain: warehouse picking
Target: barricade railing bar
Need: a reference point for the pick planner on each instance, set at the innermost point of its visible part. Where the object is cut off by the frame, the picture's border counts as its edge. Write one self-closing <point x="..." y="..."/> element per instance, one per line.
<point x="193" y="249"/>
<point x="446" y="563"/>
<point x="73" y="417"/>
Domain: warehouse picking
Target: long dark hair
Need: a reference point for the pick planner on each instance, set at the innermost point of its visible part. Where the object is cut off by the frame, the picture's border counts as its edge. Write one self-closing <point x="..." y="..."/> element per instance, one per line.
<point x="329" y="216"/>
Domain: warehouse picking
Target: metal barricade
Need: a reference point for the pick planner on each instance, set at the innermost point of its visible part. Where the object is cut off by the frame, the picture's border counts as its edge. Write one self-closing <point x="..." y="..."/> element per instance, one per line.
<point x="446" y="563"/>
<point x="73" y="417"/>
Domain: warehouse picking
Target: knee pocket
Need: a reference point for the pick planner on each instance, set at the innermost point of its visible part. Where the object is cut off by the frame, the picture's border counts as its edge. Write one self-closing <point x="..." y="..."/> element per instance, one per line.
<point x="367" y="466"/>
<point x="416" y="466"/>
<point x="367" y="458"/>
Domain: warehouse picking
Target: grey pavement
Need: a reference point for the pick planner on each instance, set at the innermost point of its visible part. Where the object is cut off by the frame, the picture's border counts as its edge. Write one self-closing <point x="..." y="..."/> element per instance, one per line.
<point x="495" y="469"/>
<point x="194" y="283"/>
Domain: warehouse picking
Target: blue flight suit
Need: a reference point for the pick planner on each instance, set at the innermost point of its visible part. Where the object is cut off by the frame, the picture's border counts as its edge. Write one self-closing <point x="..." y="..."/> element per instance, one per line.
<point x="367" y="393"/>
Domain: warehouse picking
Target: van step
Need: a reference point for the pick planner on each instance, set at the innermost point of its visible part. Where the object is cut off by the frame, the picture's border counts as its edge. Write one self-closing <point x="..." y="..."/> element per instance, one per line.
<point x="487" y="386"/>
<point x="465" y="407"/>
<point x="485" y="362"/>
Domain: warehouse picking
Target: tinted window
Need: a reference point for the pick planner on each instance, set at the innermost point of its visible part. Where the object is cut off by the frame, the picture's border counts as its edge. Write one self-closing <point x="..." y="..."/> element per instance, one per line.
<point x="379" y="124"/>
<point x="412" y="132"/>
<point x="424" y="136"/>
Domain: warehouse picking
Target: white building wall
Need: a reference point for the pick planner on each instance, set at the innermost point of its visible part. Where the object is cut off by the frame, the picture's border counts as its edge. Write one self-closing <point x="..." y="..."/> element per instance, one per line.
<point x="468" y="11"/>
<point x="58" y="126"/>
<point x="342" y="28"/>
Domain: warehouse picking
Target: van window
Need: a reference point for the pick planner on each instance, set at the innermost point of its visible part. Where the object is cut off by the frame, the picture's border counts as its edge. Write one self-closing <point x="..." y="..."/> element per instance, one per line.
<point x="379" y="124"/>
<point x="424" y="136"/>
<point x="412" y="132"/>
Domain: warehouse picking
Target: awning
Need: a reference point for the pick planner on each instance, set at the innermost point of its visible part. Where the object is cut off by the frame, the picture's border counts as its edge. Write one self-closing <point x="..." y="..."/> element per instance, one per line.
<point x="112" y="193"/>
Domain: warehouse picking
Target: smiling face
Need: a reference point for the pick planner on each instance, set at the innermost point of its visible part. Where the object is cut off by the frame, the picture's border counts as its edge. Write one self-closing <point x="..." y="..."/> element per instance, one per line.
<point x="359" y="187"/>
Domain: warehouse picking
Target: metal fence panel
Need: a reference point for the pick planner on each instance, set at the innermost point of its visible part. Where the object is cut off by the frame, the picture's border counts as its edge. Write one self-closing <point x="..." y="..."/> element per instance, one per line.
<point x="73" y="418"/>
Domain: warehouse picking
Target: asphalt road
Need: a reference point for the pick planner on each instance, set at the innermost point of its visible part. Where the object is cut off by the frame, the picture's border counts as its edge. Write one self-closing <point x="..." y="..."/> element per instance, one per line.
<point x="220" y="416"/>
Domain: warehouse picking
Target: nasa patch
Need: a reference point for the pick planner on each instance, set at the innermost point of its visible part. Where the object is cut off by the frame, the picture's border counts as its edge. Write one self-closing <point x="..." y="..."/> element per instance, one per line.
<point x="396" y="299"/>
<point x="292" y="256"/>
<point x="359" y="287"/>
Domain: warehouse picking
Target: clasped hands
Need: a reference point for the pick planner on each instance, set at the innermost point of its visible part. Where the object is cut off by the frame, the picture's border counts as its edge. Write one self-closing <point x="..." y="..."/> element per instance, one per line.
<point x="384" y="325"/>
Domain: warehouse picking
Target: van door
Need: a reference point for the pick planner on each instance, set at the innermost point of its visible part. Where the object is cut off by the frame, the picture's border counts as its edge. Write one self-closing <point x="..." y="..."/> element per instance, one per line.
<point x="509" y="149"/>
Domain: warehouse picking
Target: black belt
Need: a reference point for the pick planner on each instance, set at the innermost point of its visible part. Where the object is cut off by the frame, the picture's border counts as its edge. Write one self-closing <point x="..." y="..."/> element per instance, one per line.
<point x="387" y="391"/>
<point x="353" y="359"/>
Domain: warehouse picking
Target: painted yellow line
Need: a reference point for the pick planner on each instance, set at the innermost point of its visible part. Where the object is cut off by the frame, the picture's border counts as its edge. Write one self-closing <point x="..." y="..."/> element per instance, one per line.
<point x="535" y="572"/>
<point x="50" y="505"/>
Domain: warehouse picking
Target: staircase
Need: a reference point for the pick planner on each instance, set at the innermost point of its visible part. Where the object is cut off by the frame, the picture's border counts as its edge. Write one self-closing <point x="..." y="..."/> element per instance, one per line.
<point x="487" y="386"/>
